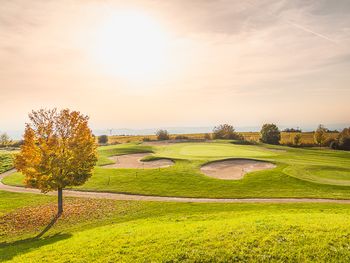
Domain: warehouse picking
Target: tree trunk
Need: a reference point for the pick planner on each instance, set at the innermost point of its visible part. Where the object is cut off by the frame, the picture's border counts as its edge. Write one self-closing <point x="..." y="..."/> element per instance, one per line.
<point x="60" y="201"/>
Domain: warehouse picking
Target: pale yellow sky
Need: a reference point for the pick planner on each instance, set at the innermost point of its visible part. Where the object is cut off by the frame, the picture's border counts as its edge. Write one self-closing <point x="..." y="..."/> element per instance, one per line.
<point x="176" y="63"/>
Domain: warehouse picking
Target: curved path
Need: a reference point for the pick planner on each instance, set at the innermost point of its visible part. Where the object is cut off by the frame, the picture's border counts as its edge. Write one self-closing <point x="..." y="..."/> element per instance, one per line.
<point x="116" y="196"/>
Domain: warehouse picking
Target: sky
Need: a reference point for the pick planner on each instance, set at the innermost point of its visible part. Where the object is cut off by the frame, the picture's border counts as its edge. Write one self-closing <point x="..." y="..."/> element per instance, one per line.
<point x="153" y="63"/>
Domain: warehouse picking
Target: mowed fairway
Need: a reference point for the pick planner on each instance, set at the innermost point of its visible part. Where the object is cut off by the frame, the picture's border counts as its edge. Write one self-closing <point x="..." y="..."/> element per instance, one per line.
<point x="174" y="232"/>
<point x="311" y="173"/>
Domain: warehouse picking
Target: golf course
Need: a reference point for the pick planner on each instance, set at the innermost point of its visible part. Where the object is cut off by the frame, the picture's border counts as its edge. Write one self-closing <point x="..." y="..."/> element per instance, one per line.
<point x="298" y="173"/>
<point x="145" y="231"/>
<point x="190" y="131"/>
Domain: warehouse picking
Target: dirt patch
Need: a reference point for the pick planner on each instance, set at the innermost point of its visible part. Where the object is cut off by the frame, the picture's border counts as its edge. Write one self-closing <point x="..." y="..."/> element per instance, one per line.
<point x="36" y="218"/>
<point x="134" y="161"/>
<point x="234" y="169"/>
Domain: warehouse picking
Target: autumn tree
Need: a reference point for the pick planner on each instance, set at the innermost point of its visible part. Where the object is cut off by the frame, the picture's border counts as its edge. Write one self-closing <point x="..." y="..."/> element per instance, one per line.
<point x="297" y="139"/>
<point x="59" y="150"/>
<point x="270" y="133"/>
<point x="320" y="135"/>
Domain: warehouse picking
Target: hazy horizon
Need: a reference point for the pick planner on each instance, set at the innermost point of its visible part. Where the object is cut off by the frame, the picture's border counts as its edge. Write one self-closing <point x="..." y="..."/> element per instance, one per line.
<point x="17" y="134"/>
<point x="147" y="64"/>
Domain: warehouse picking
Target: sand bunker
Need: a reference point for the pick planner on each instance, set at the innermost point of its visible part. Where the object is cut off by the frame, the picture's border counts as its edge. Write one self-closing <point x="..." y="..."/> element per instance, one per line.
<point x="134" y="161"/>
<point x="234" y="169"/>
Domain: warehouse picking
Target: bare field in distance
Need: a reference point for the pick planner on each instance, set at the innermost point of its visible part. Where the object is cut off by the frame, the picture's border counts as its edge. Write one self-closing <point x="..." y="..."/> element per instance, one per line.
<point x="286" y="137"/>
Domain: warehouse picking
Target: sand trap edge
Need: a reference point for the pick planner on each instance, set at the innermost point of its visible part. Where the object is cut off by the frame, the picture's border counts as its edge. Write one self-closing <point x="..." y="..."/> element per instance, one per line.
<point x="232" y="175"/>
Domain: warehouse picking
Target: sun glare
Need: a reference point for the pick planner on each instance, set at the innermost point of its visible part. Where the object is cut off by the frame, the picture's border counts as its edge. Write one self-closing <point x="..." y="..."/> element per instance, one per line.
<point x="131" y="44"/>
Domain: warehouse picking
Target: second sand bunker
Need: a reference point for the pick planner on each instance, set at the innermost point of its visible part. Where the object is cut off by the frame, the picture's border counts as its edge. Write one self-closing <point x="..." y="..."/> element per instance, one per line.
<point x="234" y="169"/>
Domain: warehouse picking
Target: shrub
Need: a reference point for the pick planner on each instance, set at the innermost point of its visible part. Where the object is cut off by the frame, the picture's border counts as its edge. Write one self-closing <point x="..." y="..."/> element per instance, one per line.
<point x="334" y="145"/>
<point x="345" y="144"/>
<point x="270" y="134"/>
<point x="146" y="139"/>
<point x="328" y="142"/>
<point x="103" y="139"/>
<point x="162" y="135"/>
<point x="181" y="137"/>
<point x="227" y="132"/>
<point x="344" y="139"/>
<point x="320" y="135"/>
<point x="297" y="139"/>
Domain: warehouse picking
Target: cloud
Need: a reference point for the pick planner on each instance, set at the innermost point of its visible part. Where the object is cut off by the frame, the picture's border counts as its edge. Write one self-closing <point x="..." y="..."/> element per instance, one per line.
<point x="241" y="56"/>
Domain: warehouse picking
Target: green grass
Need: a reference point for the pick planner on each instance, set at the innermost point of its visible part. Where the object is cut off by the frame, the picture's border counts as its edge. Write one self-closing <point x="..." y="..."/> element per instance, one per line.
<point x="193" y="232"/>
<point x="11" y="201"/>
<point x="213" y="151"/>
<point x="174" y="232"/>
<point x="6" y="160"/>
<point x="312" y="173"/>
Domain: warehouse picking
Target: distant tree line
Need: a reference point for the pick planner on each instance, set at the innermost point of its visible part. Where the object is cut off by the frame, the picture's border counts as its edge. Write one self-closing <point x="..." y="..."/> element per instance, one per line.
<point x="269" y="133"/>
<point x="292" y="130"/>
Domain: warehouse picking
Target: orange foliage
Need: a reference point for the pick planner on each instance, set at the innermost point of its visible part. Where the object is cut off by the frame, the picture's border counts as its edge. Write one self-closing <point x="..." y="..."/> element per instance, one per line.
<point x="36" y="218"/>
<point x="58" y="151"/>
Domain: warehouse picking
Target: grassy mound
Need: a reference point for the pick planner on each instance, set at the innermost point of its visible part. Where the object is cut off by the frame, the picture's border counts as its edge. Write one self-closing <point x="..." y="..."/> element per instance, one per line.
<point x="174" y="232"/>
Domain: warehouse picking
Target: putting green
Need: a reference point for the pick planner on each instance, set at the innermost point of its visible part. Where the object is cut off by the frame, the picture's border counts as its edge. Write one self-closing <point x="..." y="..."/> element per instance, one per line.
<point x="321" y="174"/>
<point x="213" y="151"/>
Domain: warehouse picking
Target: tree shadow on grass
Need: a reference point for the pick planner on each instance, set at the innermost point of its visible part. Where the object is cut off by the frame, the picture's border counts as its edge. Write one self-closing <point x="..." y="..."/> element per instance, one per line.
<point x="12" y="249"/>
<point x="8" y="250"/>
<point x="48" y="227"/>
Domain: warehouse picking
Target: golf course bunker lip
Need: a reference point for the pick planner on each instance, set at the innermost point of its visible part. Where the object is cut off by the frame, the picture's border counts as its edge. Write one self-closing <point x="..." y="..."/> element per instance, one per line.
<point x="134" y="161"/>
<point x="234" y="169"/>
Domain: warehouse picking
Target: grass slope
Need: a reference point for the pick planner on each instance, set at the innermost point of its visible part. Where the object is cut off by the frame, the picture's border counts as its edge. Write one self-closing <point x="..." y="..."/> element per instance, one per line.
<point x="11" y="201"/>
<point x="313" y="173"/>
<point x="174" y="232"/>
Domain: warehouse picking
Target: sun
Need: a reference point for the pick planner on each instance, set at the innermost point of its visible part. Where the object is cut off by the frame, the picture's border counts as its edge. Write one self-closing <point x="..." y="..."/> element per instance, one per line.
<point x="130" y="44"/>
